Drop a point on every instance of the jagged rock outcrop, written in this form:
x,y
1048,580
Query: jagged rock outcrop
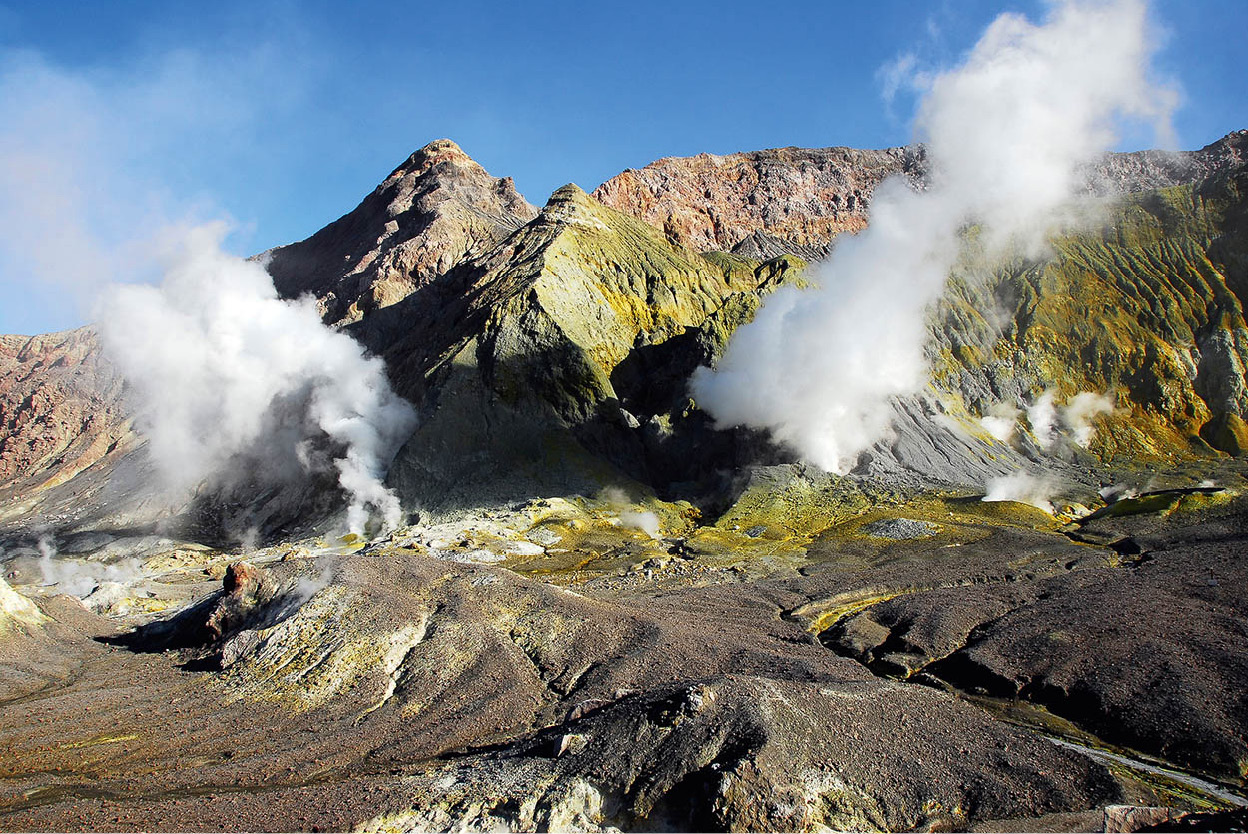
x,y
1126,173
529,362
764,204
61,409
795,199
436,209
745,753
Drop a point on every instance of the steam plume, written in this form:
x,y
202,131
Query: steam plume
x,y
1073,420
1001,421
222,366
1023,488
1042,415
219,366
81,578
1079,413
1006,134
630,516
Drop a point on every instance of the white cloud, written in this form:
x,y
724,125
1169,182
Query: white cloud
x,y
895,75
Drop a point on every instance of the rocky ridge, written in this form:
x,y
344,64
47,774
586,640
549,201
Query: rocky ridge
x,y
789,199
436,209
797,200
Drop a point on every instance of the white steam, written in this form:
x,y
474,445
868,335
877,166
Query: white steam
x,y
631,516
98,171
1074,420
1023,488
79,578
643,520
1006,135
1042,416
1079,413
223,366
1001,421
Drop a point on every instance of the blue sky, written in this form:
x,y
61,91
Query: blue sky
x,y
283,115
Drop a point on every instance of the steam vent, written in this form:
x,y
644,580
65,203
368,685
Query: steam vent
x,y
803,489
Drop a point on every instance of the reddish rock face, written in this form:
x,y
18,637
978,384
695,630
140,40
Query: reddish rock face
x,y
242,578
61,408
436,209
764,204
802,198
247,588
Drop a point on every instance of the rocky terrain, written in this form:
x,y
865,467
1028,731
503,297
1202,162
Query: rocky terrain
x,y
797,200
434,210
760,204
604,613
61,412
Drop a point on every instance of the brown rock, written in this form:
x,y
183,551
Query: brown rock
x,y
247,588
767,203
61,408
800,198
1123,819
436,209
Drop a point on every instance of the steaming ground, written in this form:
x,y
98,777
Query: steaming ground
x,y
1007,134
808,652
479,673
221,368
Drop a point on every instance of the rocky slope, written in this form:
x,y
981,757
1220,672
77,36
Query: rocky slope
x,y
61,411
797,200
1143,311
1148,308
436,209
531,359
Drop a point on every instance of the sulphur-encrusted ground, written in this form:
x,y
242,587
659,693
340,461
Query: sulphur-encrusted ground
x,y
603,662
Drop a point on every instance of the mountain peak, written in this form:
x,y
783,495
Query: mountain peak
x,y
435,153
433,211
571,206
567,193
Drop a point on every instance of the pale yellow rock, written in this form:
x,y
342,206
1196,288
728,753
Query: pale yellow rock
x,y
17,613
